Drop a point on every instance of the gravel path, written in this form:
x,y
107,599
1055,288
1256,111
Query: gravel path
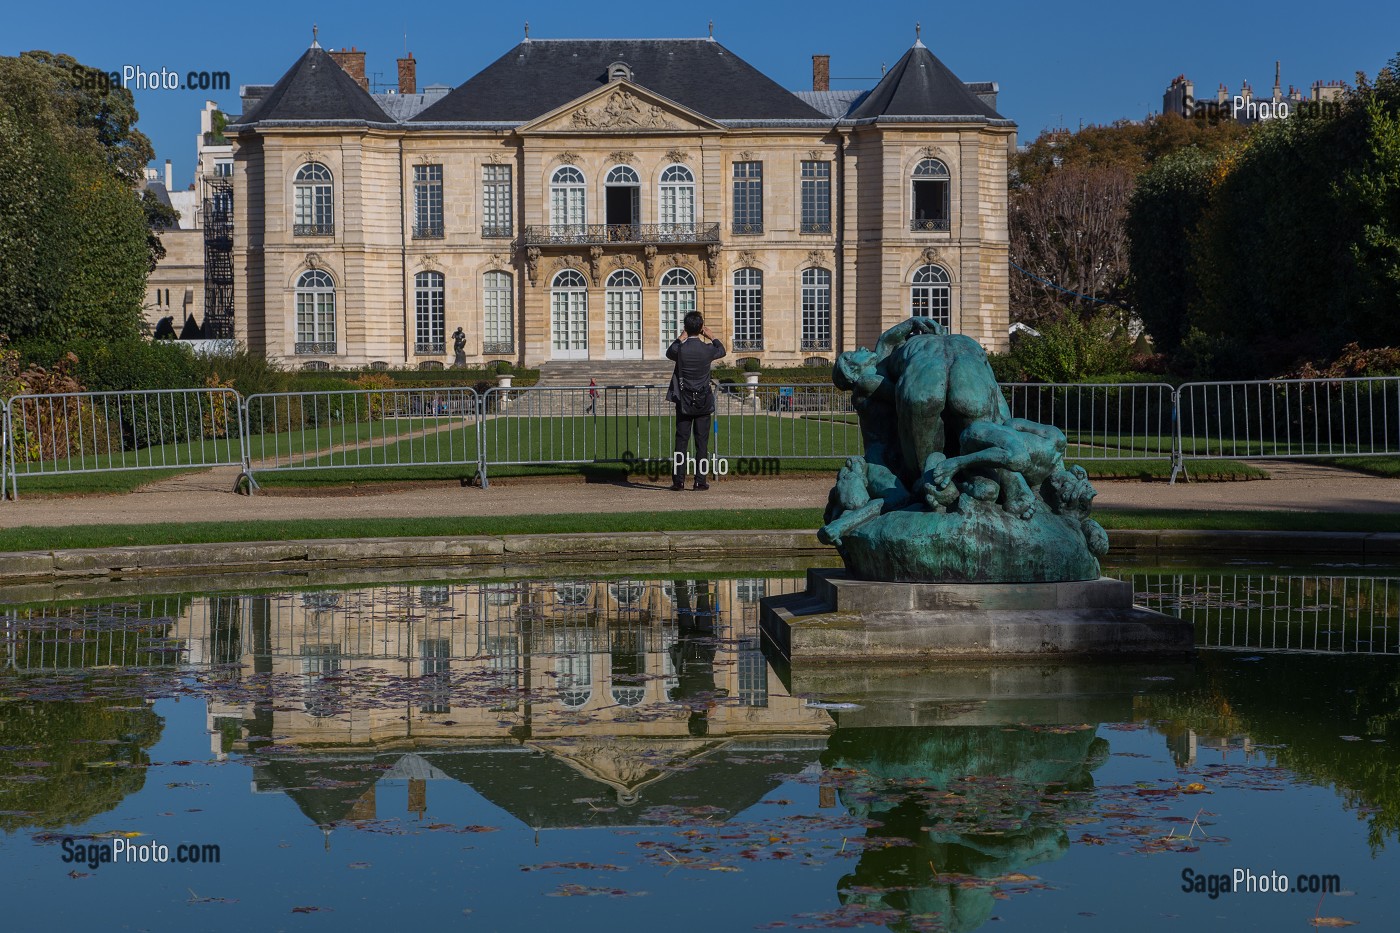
x,y
206,497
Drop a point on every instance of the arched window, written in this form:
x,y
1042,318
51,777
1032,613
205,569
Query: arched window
x,y
677,300
624,314
567,193
313,201
748,310
430,313
816,310
619,71
568,315
623,204
676,205
315,295
498,301
932,295
929,193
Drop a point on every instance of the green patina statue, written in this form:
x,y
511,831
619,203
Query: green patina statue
x,y
951,487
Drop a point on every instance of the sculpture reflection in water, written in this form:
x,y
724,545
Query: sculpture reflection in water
x,y
955,805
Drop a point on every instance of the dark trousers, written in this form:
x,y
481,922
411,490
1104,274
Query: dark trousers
x,y
700,424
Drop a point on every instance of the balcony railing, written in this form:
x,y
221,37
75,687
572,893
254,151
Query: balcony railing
x,y
427,231
816,226
499,348
430,348
816,344
747,229
316,349
313,229
747,344
575,234
497,231
923,226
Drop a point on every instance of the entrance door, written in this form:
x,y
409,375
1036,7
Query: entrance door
x,y
568,316
624,315
622,204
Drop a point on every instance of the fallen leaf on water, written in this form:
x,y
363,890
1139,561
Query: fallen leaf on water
x,y
1331,922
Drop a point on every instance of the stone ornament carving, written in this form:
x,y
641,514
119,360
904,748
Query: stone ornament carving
x,y
620,261
595,259
649,262
622,110
313,260
932,256
747,155
494,158
532,263
567,157
747,257
570,262
816,155
678,155
499,260
712,263
951,488
623,156
820,258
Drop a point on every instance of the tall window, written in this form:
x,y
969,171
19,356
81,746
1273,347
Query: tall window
x,y
315,313
677,300
566,202
428,295
568,315
929,191
816,197
622,206
498,299
427,201
748,310
676,209
495,201
816,310
313,201
932,295
748,197
436,672
624,314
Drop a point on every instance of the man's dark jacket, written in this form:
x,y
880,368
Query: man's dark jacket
x,y
693,358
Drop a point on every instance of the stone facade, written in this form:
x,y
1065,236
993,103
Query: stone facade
x,y
376,244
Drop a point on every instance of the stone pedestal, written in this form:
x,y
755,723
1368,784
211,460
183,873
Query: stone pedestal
x,y
841,619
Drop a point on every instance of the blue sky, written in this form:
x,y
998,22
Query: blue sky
x,y
1064,62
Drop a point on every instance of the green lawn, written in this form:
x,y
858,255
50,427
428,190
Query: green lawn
x,y
75,484
1372,466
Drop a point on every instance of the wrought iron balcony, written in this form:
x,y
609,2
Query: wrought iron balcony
x,y
816,344
427,231
430,348
588,234
747,344
497,349
313,229
316,349
748,229
497,231
925,225
823,226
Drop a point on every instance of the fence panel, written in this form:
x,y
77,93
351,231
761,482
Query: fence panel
x,y
812,421
1117,421
1291,418
97,432
361,428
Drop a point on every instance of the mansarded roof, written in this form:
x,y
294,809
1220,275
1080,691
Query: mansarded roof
x,y
539,75
919,85
316,88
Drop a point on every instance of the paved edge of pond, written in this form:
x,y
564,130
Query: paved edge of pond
x,y
275,556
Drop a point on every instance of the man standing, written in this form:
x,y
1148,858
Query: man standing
x,y
690,391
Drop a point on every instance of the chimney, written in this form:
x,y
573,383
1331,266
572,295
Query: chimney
x,y
821,72
169,177
408,75
352,62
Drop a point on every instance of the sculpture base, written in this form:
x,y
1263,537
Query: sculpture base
x,y
840,618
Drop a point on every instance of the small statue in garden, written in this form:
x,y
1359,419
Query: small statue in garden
x,y
459,349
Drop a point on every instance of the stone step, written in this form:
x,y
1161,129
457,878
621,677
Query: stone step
x,y
606,372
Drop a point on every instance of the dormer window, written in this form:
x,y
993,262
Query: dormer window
x,y
619,71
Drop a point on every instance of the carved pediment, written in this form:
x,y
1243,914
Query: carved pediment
x,y
621,107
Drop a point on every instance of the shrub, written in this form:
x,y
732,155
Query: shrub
x,y
1070,349
751,365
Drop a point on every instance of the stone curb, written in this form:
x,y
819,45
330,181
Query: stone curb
x,y
244,557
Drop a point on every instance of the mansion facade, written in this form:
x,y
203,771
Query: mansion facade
x,y
576,198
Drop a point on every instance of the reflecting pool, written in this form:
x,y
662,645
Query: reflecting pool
x,y
619,753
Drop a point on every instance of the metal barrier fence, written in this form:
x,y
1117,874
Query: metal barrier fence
x,y
758,426
1290,418
359,428
101,432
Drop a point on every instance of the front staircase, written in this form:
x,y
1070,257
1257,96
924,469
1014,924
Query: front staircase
x,y
557,373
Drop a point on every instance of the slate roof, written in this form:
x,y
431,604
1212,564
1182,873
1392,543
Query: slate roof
x,y
316,88
919,85
835,104
539,75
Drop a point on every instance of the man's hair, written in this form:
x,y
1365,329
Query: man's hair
x,y
694,323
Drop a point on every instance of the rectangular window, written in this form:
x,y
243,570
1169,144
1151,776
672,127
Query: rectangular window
x,y
429,305
436,672
316,318
816,311
748,310
499,326
816,197
427,201
223,168
748,197
495,201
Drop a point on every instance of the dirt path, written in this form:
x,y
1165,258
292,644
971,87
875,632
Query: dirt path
x,y
206,497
